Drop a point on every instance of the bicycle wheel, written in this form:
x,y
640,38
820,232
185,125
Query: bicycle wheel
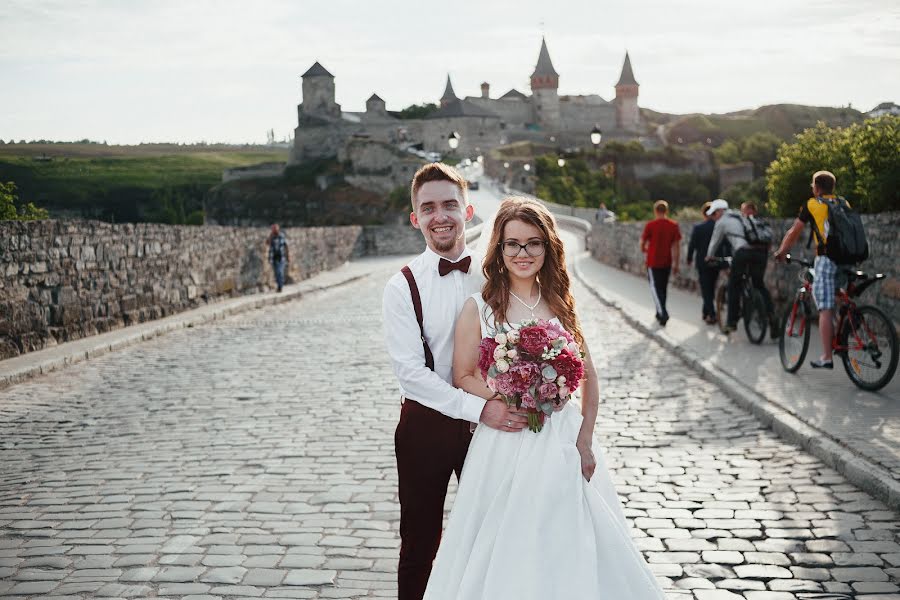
x,y
870,339
794,341
722,305
755,317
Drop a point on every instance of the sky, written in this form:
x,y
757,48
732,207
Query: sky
x,y
132,71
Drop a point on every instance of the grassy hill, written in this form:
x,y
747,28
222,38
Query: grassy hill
x,y
149,182
783,120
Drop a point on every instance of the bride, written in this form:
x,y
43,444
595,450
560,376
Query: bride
x,y
536,515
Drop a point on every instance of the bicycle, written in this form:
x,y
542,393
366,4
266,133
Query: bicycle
x,y
864,338
752,307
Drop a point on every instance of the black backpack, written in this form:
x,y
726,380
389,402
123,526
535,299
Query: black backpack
x,y
757,232
846,243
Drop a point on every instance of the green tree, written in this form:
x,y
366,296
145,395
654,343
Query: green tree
x,y
863,157
574,184
761,148
678,189
754,191
8,211
875,155
728,153
7,201
417,111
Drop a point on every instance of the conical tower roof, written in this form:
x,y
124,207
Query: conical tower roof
x,y
544,65
627,76
374,98
449,94
317,70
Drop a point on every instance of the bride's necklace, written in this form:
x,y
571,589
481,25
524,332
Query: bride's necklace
x,y
530,307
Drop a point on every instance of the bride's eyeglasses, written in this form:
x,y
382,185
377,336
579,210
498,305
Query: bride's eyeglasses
x,y
532,248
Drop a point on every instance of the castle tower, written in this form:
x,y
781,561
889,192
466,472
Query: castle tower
x,y
544,89
628,115
449,95
318,93
375,105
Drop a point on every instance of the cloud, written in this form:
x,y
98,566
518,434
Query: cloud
x,y
219,69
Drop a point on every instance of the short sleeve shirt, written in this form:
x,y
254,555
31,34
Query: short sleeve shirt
x,y
815,213
661,234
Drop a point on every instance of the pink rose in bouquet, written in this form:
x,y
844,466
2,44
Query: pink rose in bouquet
x,y
486,355
569,365
534,339
535,367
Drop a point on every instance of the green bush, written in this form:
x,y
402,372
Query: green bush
x,y
25,212
863,157
635,211
748,191
417,111
575,184
760,149
678,189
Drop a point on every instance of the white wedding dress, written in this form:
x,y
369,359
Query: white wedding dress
x,y
526,525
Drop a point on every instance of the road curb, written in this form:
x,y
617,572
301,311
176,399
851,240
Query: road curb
x,y
56,358
857,469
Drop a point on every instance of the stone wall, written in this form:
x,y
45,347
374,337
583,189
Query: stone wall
x,y
383,240
618,245
64,280
378,166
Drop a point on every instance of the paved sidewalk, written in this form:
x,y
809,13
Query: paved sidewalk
x,y
866,423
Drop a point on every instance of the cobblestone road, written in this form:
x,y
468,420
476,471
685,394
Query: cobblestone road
x,y
253,457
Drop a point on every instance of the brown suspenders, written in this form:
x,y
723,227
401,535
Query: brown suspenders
x,y
417,305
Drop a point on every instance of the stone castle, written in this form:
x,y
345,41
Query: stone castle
x,y
482,122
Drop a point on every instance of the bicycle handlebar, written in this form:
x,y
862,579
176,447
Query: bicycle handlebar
x,y
720,261
788,259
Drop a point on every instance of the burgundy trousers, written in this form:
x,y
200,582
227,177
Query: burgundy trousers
x,y
430,447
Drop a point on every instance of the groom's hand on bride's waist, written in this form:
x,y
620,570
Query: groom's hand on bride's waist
x,y
498,415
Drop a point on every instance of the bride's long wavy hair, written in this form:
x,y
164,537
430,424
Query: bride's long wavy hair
x,y
553,276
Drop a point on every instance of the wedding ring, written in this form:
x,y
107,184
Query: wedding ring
x,y
509,423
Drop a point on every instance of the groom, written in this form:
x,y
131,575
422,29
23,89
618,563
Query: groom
x,y
420,308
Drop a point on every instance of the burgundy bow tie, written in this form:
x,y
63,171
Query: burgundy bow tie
x,y
445,266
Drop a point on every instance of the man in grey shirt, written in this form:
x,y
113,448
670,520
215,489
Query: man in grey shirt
x,y
746,259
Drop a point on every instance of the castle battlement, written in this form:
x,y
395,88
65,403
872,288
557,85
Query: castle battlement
x,y
482,122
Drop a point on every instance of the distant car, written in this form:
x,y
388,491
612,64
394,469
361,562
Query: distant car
x,y
434,156
473,185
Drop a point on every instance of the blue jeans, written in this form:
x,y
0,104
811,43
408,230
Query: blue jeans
x,y
279,272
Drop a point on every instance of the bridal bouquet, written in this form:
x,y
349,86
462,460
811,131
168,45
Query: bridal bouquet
x,y
534,366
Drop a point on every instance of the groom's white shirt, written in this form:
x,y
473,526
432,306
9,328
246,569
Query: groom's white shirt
x,y
442,301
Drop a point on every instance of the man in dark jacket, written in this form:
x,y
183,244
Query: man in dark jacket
x,y
706,274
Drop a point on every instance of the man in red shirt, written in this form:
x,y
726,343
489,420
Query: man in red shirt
x,y
661,243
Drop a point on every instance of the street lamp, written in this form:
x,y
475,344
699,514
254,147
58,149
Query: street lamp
x,y
527,167
596,136
453,140
561,162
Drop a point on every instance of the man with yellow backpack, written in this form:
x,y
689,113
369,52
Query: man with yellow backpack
x,y
841,241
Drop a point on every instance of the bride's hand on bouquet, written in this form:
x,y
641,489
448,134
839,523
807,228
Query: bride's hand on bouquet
x,y
496,414
588,461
